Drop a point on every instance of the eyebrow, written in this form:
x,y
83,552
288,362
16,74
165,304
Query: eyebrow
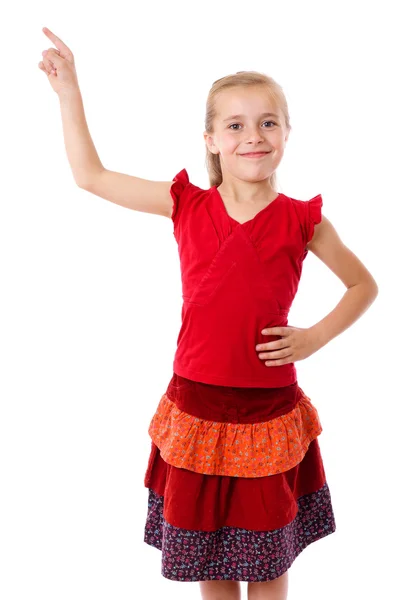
x,y
267,114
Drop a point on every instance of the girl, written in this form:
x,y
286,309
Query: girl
x,y
235,478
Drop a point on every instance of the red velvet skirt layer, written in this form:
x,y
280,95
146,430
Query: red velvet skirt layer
x,y
208,502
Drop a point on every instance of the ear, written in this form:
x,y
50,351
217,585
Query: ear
x,y
209,140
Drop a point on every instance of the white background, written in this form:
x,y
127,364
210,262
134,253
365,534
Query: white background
x,y
91,297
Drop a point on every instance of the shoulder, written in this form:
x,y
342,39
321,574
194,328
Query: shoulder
x,y
312,204
181,184
308,213
185,195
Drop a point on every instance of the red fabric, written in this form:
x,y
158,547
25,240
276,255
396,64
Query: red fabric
x,y
207,502
230,404
237,279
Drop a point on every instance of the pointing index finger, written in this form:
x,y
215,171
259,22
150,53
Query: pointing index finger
x,y
56,41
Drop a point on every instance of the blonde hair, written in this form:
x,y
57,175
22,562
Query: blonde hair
x,y
239,79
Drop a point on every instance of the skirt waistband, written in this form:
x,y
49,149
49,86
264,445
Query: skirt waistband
x,y
232,404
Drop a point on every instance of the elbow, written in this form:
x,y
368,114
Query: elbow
x,y
89,182
369,288
373,289
83,185
374,286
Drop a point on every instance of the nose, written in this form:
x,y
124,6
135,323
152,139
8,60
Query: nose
x,y
254,136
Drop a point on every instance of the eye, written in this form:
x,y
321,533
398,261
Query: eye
x,y
273,122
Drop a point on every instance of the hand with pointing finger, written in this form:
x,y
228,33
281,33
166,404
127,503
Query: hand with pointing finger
x,y
59,65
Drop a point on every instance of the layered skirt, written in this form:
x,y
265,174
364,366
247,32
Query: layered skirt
x,y
236,482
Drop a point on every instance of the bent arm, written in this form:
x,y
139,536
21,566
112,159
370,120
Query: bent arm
x,y
90,174
362,288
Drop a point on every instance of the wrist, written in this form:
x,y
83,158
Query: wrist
x,y
69,94
318,335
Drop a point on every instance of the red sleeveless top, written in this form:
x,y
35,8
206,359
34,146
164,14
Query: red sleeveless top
x,y
237,279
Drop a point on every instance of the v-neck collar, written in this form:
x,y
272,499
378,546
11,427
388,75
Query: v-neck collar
x,y
223,207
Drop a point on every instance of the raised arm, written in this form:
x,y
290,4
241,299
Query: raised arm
x,y
88,171
131,192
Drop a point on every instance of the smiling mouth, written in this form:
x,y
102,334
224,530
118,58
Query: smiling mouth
x,y
255,154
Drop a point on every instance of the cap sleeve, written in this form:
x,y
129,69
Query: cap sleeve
x,y
181,181
314,215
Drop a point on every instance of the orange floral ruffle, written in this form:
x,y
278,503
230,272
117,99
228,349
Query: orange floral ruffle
x,y
234,449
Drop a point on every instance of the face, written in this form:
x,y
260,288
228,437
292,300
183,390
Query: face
x,y
253,131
